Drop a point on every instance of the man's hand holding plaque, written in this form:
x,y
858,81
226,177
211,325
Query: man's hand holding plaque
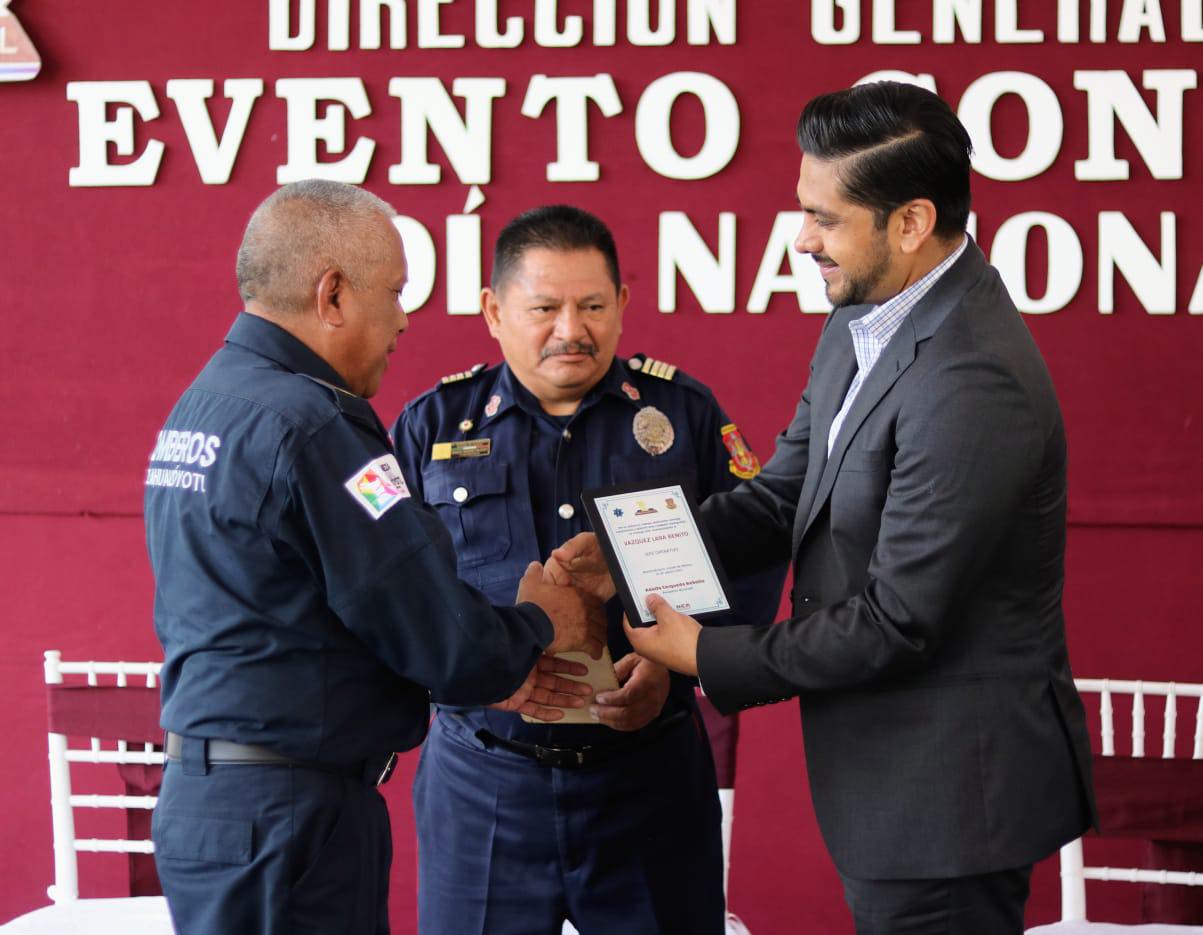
x,y
547,694
671,641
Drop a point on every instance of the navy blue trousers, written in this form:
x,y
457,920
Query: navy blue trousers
x,y
268,850
509,847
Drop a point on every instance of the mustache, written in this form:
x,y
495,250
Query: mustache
x,y
568,347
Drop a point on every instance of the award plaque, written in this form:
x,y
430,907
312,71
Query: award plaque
x,y
654,543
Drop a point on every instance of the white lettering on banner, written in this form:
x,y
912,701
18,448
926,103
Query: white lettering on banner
x,y
1192,20
1008,254
705,21
487,34
639,23
96,131
306,129
1121,248
884,30
696,253
427,108
1139,20
547,29
467,141
822,21
682,250
950,15
463,258
430,33
1111,95
720,116
280,36
1045,125
803,278
1006,24
420,262
1138,16
1195,305
214,158
572,97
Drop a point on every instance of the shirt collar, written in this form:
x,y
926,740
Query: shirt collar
x,y
883,320
512,393
269,340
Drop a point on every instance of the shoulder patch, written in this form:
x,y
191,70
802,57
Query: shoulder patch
x,y
743,464
463,374
378,486
652,367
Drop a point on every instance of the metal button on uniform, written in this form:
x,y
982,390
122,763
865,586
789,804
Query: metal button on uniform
x,y
567,435
460,494
566,511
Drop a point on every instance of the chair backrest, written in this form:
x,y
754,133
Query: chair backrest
x,y
723,732
1132,788
115,707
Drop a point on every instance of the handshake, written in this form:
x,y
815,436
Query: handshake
x,y
571,589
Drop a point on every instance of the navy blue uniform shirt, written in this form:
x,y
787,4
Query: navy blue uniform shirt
x,y
514,498
304,600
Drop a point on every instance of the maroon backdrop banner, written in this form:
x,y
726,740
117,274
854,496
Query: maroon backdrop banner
x,y
136,138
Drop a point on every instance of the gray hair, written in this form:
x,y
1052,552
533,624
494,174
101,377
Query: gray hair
x,y
303,229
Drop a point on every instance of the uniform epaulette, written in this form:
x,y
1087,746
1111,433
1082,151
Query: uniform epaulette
x,y
641,363
463,374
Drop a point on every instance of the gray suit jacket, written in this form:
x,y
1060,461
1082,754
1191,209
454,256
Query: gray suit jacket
x,y
943,733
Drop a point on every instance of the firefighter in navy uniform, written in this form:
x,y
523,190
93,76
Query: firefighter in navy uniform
x,y
613,825
308,606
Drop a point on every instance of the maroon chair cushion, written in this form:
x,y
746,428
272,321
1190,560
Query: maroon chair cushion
x,y
724,739
1160,801
112,713
105,711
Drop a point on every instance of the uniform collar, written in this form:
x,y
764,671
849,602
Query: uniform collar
x,y
618,383
269,340
510,392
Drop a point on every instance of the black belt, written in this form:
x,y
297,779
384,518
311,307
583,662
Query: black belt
x,y
585,756
226,752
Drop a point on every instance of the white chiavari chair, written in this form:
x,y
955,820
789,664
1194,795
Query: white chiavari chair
x,y
112,707
1074,871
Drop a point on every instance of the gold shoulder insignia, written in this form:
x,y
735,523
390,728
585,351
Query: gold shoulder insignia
x,y
463,374
653,367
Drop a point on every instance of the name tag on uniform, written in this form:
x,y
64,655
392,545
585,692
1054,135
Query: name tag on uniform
x,y
468,448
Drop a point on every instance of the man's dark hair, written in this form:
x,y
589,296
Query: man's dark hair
x,y
552,227
900,142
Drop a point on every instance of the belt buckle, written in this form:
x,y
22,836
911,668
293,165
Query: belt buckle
x,y
387,773
565,757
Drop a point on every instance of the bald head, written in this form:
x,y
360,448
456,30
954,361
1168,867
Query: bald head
x,y
304,229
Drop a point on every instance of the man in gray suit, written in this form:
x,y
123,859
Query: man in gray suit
x,y
920,491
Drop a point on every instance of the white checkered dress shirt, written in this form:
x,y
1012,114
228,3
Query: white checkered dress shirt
x,y
871,333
